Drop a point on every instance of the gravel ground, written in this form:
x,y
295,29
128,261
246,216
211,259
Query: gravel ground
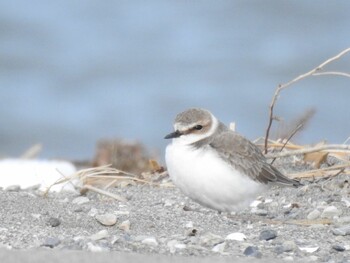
x,y
308,224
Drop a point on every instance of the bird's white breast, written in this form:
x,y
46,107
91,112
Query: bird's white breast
x,y
203,176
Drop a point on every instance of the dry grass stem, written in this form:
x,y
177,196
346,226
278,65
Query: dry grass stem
x,y
327,171
288,139
281,87
329,147
104,176
106,193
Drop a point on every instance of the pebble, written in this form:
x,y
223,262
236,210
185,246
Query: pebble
x,y
168,203
260,212
267,234
174,245
107,219
330,212
314,214
95,248
252,251
236,236
338,247
343,220
150,241
125,226
341,231
189,224
99,235
309,249
80,200
13,188
53,222
210,239
51,242
219,248
289,246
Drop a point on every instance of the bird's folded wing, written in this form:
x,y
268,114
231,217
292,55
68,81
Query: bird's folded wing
x,y
246,157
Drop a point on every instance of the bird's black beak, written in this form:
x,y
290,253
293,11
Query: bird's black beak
x,y
172,135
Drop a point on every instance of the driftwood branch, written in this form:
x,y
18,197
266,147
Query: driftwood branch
x,y
336,147
314,72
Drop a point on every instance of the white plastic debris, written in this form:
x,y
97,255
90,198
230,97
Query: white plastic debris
x,y
309,249
27,173
255,203
236,236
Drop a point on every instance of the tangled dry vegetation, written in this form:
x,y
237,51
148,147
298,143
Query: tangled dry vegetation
x,y
119,163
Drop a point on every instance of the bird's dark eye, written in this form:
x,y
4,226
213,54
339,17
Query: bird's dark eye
x,y
198,127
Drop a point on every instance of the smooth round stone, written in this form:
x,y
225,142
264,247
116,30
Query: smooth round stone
x,y
51,242
314,214
53,221
289,246
150,241
252,251
80,200
341,231
260,212
267,234
330,212
107,219
338,247
125,225
99,235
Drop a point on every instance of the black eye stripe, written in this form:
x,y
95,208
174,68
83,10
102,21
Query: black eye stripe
x,y
198,127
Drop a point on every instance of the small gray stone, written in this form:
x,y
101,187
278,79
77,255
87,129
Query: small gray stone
x,y
150,241
125,226
338,247
252,251
341,231
330,212
219,248
174,245
313,214
13,188
279,249
51,242
261,212
80,200
210,239
107,219
95,248
289,246
53,222
267,234
99,235
343,220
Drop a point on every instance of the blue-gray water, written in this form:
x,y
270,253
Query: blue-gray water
x,y
72,72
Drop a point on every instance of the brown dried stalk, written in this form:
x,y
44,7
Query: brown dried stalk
x,y
313,72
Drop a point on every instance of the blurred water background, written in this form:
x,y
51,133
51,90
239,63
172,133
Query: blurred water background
x,y
72,72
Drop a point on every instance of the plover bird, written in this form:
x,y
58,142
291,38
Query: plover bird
x,y
216,166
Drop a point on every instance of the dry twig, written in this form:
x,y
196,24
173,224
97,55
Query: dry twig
x,y
329,147
313,72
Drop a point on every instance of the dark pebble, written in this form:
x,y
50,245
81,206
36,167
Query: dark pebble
x,y
53,221
338,247
279,249
252,252
267,234
51,242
